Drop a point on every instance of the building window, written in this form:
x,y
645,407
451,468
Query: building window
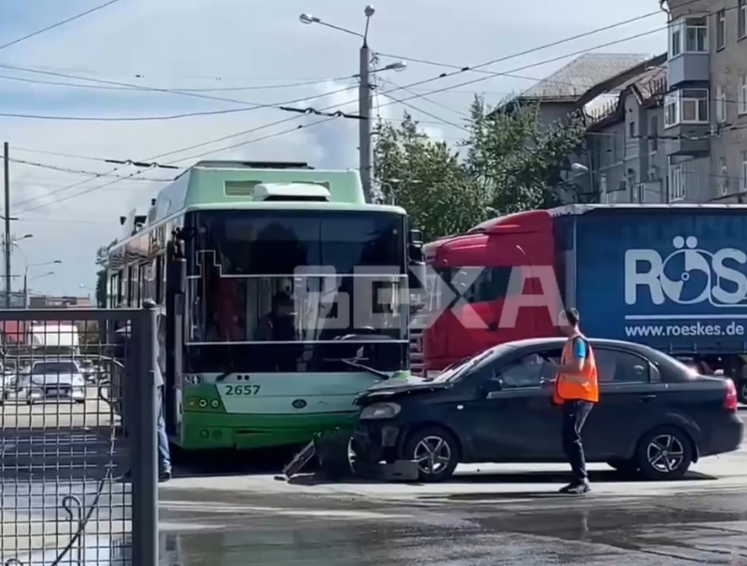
x,y
742,19
744,170
723,177
671,109
694,105
742,95
675,39
721,29
720,105
631,130
687,106
653,134
696,35
688,35
676,183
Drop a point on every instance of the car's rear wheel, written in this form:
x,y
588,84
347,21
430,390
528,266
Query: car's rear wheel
x,y
436,451
664,453
625,467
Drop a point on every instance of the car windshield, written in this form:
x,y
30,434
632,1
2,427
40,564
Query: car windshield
x,y
55,367
461,368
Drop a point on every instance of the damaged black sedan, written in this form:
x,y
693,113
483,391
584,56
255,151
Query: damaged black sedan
x,y
655,416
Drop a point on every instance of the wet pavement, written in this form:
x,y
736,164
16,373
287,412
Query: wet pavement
x,y
705,528
489,515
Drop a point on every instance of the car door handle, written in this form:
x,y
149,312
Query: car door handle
x,y
645,398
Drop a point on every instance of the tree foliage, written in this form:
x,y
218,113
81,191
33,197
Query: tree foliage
x,y
506,163
102,262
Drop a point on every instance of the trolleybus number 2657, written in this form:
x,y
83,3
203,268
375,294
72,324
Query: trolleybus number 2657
x,y
246,390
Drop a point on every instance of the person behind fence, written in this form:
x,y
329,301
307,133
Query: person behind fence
x,y
164,452
576,390
123,351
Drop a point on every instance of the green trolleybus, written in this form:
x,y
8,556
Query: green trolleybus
x,y
285,295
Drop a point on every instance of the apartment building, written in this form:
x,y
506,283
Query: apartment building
x,y
705,108
626,155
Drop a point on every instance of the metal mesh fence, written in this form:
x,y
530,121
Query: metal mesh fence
x,y
69,380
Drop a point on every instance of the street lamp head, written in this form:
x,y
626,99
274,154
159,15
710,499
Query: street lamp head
x,y
399,66
27,236
369,11
57,262
308,19
579,168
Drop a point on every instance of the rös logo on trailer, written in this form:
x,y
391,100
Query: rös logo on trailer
x,y
712,281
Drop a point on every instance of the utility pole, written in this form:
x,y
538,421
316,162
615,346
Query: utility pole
x,y
8,243
365,129
365,98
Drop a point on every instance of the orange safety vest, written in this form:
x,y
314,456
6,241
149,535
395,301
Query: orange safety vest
x,y
583,385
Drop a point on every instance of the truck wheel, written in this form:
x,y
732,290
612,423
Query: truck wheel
x,y
742,391
664,454
436,451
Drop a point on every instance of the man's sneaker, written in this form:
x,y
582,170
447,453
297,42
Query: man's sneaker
x,y
576,488
165,476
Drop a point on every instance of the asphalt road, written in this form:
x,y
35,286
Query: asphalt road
x,y
489,515
501,515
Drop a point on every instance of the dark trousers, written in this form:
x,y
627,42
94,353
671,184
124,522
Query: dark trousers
x,y
574,417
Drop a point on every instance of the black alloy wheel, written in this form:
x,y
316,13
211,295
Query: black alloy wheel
x,y
664,454
436,451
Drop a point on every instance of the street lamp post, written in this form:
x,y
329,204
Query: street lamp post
x,y
26,280
26,277
365,98
8,244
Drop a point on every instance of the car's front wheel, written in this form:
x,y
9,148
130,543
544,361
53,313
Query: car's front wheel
x,y
664,454
436,451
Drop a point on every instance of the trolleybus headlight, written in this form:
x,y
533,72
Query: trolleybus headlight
x,y
379,411
202,403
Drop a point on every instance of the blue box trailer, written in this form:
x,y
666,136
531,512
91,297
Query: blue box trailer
x,y
673,277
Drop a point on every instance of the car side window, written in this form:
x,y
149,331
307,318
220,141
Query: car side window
x,y
528,371
615,366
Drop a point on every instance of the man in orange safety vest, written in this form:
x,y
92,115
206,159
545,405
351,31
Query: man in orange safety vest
x,y
576,390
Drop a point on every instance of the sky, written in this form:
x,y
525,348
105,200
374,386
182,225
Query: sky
x,y
257,53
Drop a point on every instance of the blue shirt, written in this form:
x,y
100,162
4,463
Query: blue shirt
x,y
580,349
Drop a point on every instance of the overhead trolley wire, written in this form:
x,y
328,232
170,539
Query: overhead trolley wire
x,y
59,24
418,83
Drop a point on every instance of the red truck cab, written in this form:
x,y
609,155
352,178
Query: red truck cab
x,y
472,285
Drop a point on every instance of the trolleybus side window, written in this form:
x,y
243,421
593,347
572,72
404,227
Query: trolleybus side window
x,y
160,277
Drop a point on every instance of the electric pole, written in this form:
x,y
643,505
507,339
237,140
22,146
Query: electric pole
x,y
365,98
365,129
8,244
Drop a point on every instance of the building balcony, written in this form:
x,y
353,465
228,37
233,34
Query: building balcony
x,y
688,56
687,124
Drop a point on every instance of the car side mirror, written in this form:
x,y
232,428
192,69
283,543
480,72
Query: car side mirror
x,y
493,386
